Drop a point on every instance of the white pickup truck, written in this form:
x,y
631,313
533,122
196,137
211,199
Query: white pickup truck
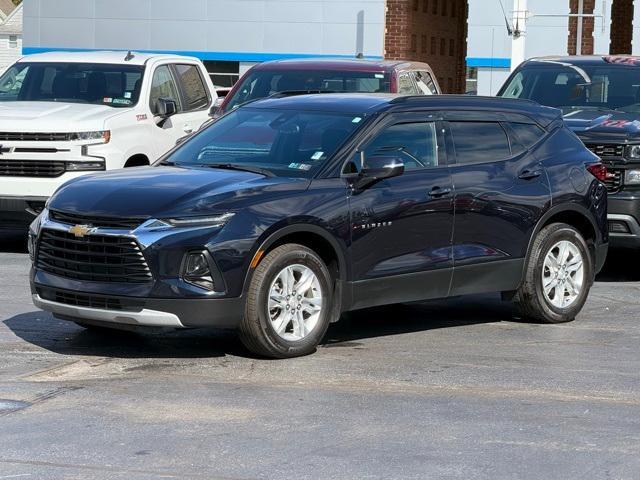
x,y
64,114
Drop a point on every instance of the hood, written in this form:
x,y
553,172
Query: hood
x,y
604,125
53,117
157,192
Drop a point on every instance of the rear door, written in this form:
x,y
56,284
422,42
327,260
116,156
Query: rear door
x,y
501,191
401,227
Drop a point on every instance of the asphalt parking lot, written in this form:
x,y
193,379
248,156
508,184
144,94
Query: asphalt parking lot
x,y
451,389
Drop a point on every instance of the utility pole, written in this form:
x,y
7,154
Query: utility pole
x,y
519,36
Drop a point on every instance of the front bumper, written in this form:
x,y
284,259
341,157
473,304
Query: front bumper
x,y
144,312
17,213
624,220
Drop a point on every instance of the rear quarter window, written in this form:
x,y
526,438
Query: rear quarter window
x,y
527,134
477,142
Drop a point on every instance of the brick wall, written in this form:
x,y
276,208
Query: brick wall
x,y
587,28
431,31
621,27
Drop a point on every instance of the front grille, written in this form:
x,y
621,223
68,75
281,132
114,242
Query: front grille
x,y
31,168
608,150
33,137
102,222
614,179
89,301
94,258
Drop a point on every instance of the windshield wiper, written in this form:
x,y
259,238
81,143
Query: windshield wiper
x,y
240,168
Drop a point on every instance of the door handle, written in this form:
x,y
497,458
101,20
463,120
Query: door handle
x,y
437,192
529,174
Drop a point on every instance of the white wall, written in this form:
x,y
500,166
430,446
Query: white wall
x,y
326,27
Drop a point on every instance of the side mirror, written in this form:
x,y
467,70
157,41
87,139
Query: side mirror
x,y
216,109
166,107
378,168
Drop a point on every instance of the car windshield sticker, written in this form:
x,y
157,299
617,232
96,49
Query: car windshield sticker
x,y
300,166
107,100
121,101
127,94
379,75
356,120
317,156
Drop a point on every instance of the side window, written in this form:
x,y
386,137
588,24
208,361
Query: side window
x,y
12,81
195,92
415,143
425,83
477,142
406,85
527,134
163,86
515,87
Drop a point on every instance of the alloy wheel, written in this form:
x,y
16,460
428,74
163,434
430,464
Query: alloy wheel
x,y
563,274
295,302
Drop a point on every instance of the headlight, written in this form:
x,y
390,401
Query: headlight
x,y
85,166
99,137
633,151
213,221
632,177
34,230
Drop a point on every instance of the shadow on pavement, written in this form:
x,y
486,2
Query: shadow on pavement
x,y
621,266
419,317
59,336
13,242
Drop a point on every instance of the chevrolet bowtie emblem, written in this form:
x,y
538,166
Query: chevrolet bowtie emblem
x,y
80,230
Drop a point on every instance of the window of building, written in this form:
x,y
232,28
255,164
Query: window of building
x,y
472,81
477,142
444,8
414,43
434,46
416,4
425,6
449,85
223,74
452,47
13,41
424,44
443,46
434,8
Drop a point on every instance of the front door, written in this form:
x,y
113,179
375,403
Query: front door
x,y
402,226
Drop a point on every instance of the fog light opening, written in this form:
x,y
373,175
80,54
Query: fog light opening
x,y
197,272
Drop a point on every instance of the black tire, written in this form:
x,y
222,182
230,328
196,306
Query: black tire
x,y
530,297
256,331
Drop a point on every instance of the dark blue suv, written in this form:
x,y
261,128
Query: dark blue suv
x,y
289,211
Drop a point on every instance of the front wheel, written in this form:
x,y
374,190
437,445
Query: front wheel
x,y
558,277
288,303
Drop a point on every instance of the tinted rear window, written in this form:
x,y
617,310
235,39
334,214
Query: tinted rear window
x,y
262,83
480,142
528,134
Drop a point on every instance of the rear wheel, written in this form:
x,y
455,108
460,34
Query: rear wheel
x,y
288,303
558,277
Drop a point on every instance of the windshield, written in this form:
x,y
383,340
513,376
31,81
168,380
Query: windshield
x,y
606,87
286,143
261,83
96,84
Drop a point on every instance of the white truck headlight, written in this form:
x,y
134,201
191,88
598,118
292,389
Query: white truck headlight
x,y
93,165
633,152
632,177
98,137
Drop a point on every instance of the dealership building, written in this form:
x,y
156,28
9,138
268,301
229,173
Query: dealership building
x,y
471,44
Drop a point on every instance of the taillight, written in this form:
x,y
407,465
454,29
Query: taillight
x,y
599,171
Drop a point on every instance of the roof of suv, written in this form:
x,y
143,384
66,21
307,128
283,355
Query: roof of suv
x,y
368,103
345,64
106,57
588,60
